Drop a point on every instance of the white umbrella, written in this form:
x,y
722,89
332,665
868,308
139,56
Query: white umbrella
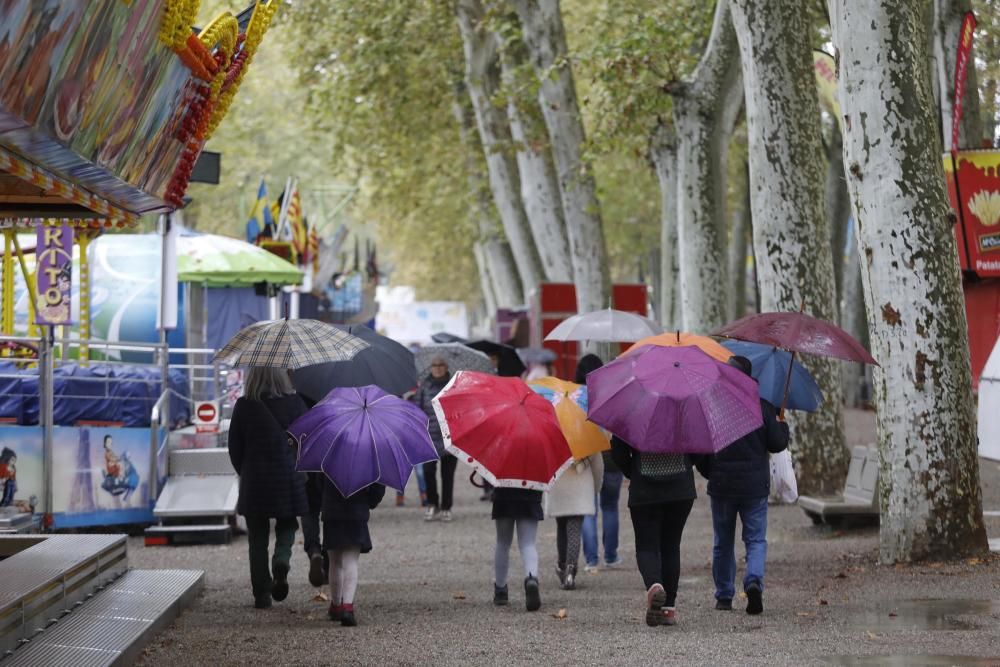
x,y
607,326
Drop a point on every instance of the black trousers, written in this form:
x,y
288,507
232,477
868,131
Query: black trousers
x,y
658,530
448,465
312,540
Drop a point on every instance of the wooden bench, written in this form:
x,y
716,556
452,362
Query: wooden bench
x,y
859,501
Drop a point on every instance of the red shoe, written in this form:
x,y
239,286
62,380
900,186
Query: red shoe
x,y
400,500
669,616
656,597
347,616
335,612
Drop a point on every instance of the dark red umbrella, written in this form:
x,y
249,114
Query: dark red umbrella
x,y
797,333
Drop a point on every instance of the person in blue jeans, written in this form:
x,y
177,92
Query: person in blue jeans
x,y
606,502
739,481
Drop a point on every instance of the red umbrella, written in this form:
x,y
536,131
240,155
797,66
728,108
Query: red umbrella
x,y
509,434
797,332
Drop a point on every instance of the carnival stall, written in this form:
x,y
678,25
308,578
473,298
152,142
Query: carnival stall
x,y
105,107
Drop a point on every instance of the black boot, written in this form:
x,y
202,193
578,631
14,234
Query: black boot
x,y
755,598
561,573
279,587
317,576
532,595
569,579
500,597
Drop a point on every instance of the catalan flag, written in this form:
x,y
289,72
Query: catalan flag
x,y
261,222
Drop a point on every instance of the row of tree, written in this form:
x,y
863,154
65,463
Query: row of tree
x,y
464,122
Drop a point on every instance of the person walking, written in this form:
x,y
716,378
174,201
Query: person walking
x,y
346,537
438,507
661,493
739,482
569,500
517,510
607,501
269,487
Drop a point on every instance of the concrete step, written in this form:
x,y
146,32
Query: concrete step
x,y
115,625
176,534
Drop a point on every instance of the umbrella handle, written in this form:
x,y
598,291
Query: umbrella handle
x,y
788,382
472,480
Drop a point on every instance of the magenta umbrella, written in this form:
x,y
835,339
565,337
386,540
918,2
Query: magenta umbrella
x,y
797,332
358,436
673,400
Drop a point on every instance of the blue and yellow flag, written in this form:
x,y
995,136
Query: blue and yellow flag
x,y
261,221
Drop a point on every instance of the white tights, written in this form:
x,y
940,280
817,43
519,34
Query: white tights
x,y
344,575
526,532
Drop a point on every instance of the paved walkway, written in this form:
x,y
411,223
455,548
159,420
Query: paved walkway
x,y
426,589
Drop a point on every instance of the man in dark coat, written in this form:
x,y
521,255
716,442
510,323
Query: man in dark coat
x,y
739,481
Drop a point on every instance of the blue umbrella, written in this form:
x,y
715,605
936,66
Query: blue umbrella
x,y
770,369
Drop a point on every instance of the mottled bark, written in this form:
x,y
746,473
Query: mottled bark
x,y
703,129
539,183
948,16
663,155
791,235
482,77
838,207
739,238
497,260
545,38
931,505
485,279
854,322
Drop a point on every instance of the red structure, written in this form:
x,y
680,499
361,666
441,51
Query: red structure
x,y
554,302
978,236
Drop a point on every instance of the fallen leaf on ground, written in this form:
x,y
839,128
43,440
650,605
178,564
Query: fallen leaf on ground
x,y
321,597
974,561
935,565
871,635
743,596
561,614
823,603
840,575
893,614
458,596
806,613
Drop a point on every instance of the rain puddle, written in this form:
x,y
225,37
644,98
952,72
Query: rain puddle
x,y
901,660
924,615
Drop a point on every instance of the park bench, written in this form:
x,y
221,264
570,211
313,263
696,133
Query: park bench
x,y
859,501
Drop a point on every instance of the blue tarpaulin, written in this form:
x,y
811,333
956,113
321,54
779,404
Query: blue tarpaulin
x,y
100,392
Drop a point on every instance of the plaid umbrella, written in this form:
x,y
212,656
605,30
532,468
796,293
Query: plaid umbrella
x,y
459,357
289,344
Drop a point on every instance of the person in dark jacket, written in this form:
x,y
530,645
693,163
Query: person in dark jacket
x,y
520,509
661,493
739,481
438,507
269,486
346,536
607,500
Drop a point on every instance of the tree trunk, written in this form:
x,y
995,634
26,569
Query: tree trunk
x,y
663,155
485,279
791,235
838,206
853,321
497,259
738,241
482,76
539,183
948,16
931,504
700,121
545,38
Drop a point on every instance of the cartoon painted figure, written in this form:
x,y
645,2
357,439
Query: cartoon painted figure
x,y
8,476
120,476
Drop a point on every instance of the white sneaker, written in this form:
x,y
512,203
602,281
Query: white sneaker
x,y
446,515
591,569
431,514
612,564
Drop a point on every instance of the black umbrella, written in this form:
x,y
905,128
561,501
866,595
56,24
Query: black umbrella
x,y
385,364
445,337
509,365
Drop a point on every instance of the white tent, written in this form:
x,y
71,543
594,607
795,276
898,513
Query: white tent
x,y
989,407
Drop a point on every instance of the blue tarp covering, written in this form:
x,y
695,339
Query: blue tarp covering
x,y
229,310
100,392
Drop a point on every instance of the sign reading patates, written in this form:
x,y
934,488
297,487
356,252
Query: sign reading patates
x,y
206,416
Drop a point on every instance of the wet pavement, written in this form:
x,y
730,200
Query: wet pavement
x,y
928,615
905,660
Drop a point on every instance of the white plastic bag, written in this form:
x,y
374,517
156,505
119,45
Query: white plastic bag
x,y
784,488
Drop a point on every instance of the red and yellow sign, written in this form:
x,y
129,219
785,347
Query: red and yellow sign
x,y
978,230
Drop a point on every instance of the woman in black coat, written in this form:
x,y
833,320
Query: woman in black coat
x,y
661,493
269,486
438,507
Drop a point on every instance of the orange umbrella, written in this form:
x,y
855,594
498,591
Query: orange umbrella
x,y
682,339
570,402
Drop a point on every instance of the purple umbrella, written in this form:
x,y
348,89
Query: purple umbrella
x,y
358,436
673,400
